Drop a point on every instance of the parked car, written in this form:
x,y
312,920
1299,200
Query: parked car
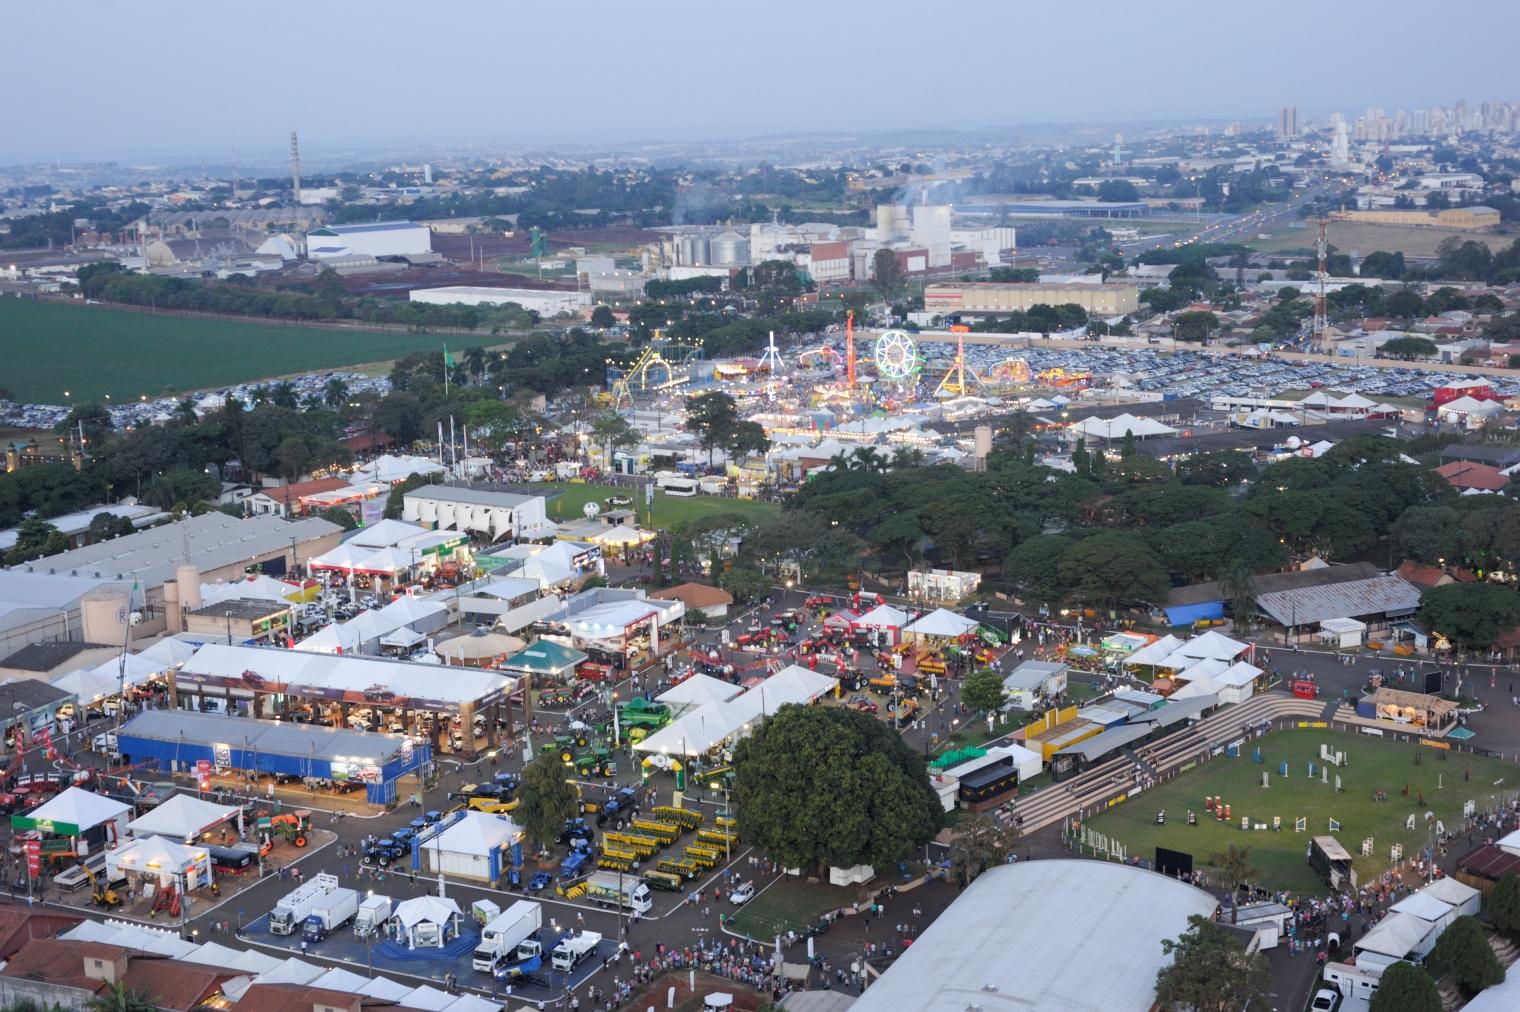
x,y
743,893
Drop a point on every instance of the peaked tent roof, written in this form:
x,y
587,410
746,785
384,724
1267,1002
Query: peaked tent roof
x,y
1155,652
426,908
477,833
181,816
883,616
1213,644
158,853
698,690
692,733
544,655
942,622
79,807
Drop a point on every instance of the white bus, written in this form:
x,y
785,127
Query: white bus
x,y
676,484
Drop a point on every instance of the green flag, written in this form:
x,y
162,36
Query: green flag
x,y
448,359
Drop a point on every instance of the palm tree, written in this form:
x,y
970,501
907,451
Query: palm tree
x,y
283,394
865,458
475,361
185,411
259,394
1237,586
1236,868
118,999
907,456
335,392
839,461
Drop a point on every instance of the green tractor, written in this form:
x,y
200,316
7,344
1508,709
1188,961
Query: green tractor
x,y
595,762
564,745
639,712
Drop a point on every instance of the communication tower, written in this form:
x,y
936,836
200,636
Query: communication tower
x,y
295,166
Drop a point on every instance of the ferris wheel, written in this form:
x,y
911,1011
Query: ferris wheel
x,y
896,355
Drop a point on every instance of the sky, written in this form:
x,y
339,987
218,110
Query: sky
x,y
210,76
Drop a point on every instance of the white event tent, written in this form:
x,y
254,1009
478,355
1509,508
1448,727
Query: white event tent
x,y
699,690
184,818
943,623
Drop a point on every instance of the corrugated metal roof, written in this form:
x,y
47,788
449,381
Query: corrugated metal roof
x,y
1387,594
275,737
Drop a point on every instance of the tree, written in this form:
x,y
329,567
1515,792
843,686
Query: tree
x,y
711,416
1238,586
983,690
980,842
119,998
1119,191
1195,326
335,392
827,786
1407,348
1404,304
1235,868
745,438
340,516
602,318
613,432
95,419
1034,568
1211,972
1463,951
1405,987
1471,614
1502,905
396,500
886,272
1427,533
105,526
36,538
1114,568
547,798
1379,264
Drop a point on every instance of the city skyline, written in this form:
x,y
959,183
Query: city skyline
x,y
207,81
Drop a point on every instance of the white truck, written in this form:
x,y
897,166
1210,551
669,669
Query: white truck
x,y
290,913
611,889
373,912
571,952
329,914
503,934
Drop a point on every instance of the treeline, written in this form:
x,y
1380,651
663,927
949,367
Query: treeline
x,y
1038,318
108,283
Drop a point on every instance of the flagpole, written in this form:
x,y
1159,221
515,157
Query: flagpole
x,y
445,370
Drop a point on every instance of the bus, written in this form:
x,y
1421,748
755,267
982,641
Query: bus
x,y
676,484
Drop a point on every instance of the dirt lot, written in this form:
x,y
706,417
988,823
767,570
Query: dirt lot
x,y
1363,238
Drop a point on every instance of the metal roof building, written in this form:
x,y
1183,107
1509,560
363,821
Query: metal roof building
x,y
220,546
1071,917
267,746
1385,596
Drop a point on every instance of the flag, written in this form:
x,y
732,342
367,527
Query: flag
x,y
448,359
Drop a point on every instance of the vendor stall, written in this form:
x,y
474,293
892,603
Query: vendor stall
x,y
940,625
477,846
1345,633
478,649
161,860
91,820
188,819
1420,710
427,921
546,660
885,621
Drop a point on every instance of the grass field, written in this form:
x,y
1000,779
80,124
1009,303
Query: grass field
x,y
668,510
1372,764
91,351
791,904
1347,236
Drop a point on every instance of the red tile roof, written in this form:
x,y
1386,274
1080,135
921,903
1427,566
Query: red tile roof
x,y
1421,575
18,926
1466,474
294,998
288,494
695,595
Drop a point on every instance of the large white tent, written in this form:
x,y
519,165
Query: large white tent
x,y
255,588
428,921
698,690
792,684
1154,652
692,733
184,818
943,623
161,858
466,847
883,616
1114,428
78,811
363,632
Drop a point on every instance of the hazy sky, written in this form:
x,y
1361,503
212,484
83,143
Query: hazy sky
x,y
192,78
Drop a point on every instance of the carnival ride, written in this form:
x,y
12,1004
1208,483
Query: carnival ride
x,y
1009,373
663,365
896,356
1065,379
958,380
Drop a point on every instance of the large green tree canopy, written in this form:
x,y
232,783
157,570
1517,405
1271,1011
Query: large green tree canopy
x,y
828,786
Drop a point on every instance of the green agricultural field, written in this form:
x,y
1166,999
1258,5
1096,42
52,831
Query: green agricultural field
x,y
1372,764
668,510
91,351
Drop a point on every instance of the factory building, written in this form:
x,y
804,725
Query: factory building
x,y
544,302
993,298
376,239
829,262
1462,219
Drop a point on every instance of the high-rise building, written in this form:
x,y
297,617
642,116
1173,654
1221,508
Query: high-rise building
x,y
1287,123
